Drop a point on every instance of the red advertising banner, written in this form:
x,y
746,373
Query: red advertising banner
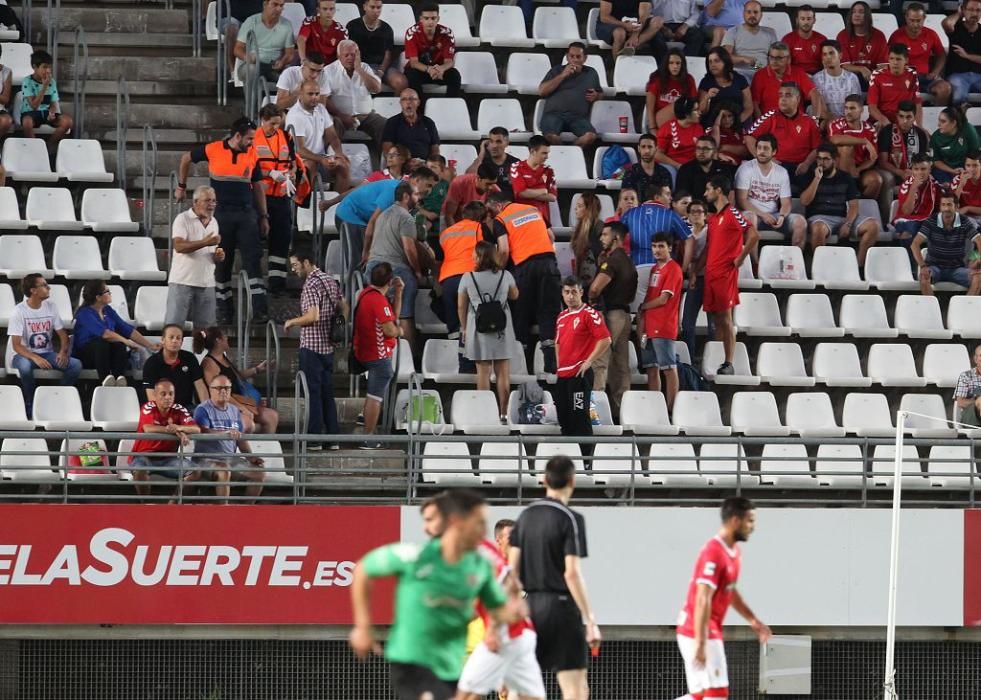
x,y
133,564
972,568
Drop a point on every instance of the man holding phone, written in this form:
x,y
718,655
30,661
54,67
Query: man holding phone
x,y
569,91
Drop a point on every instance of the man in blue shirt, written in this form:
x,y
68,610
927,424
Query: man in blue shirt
x,y
653,216
357,212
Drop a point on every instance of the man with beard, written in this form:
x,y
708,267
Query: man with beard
x,y
695,174
643,174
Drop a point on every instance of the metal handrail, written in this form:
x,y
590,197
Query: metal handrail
x,y
149,177
54,20
195,28
272,363
253,77
301,423
122,129
26,8
81,49
222,10
243,319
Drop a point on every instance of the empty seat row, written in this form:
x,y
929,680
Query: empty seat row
x,y
78,160
52,209
79,257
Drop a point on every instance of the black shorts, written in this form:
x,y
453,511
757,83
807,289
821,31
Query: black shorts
x,y
561,633
410,682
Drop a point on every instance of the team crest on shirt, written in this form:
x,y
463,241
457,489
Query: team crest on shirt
x,y
709,569
575,323
798,128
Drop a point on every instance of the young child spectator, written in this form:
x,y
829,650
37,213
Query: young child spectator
x,y
432,204
657,319
42,103
967,187
676,139
918,198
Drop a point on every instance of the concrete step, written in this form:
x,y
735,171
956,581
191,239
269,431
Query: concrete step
x,y
143,89
132,20
203,115
171,139
182,70
126,43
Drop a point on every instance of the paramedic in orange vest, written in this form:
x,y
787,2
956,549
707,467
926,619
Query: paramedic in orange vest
x,y
523,236
283,172
457,243
241,214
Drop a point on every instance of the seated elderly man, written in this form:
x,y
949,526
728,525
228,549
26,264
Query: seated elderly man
x,y
352,83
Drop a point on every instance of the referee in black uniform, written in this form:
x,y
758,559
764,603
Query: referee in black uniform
x,y
547,543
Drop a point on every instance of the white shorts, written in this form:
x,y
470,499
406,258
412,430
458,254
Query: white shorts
x,y
714,674
514,667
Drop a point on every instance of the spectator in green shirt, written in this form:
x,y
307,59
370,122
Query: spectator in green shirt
x,y
273,39
42,103
951,142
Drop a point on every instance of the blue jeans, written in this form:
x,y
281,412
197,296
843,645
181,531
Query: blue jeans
x,y
319,370
26,369
963,84
689,315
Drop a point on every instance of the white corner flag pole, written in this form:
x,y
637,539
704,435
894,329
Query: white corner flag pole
x,y
897,488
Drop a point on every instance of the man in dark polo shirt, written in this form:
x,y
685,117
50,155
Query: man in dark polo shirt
x,y
695,174
964,58
547,543
831,204
411,129
643,174
493,150
946,236
612,291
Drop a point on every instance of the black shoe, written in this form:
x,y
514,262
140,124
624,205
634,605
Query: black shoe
x,y
360,419
725,368
370,445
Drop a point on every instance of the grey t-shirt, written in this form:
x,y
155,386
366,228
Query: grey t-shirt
x,y
391,226
746,43
571,94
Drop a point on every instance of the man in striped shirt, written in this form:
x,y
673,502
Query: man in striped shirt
x,y
946,236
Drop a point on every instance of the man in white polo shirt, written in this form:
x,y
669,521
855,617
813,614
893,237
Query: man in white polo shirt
x,y
191,287
314,130
351,84
290,80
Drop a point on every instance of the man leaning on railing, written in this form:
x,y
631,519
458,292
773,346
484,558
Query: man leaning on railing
x,y
164,457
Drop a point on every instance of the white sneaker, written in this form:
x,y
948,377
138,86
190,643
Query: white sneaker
x,y
109,381
120,380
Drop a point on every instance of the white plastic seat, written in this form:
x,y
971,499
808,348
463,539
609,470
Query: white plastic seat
x,y
116,409
601,403
891,364
26,159
13,412
10,218
782,267
416,426
63,303
505,112
673,464
789,458
810,415
150,309
273,463
747,279
782,364
867,415
498,457
82,160
514,405
455,17
942,362
71,448
555,27
448,464
616,463
17,57
838,364
930,115
919,317
78,258
475,413
834,267
478,72
643,278
950,467
729,460
504,25
134,258
927,416
839,458
51,209
294,13
607,210
595,61
864,316
885,22
611,184
334,260
810,316
888,268
759,314
630,73
964,316
59,408
406,364
713,354
779,22
697,413
345,12
605,116
7,304
754,413
441,363
591,39
883,467
570,168
386,106
464,154
401,17
12,371
22,255
829,24
452,118
645,413
546,450
107,211
32,465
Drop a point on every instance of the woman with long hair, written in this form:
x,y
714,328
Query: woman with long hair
x,y
488,283
255,414
102,339
951,142
723,84
397,159
863,47
585,241
665,85
729,135
676,139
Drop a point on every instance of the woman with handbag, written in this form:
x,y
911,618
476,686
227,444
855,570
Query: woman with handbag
x,y
256,415
485,320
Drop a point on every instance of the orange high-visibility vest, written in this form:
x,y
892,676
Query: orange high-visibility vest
x,y
226,165
278,152
527,232
458,242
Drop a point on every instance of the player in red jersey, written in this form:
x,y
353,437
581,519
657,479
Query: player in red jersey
x,y
506,656
430,49
805,43
967,186
856,142
711,591
532,181
926,53
321,33
891,85
730,239
919,195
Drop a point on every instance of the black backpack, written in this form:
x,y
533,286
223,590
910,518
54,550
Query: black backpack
x,y
489,316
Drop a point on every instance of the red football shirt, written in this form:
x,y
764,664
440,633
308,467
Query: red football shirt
x,y
431,52
805,54
576,333
717,567
927,198
667,92
524,177
868,51
678,142
840,127
765,88
971,194
726,231
921,49
796,136
886,90
662,321
322,40
151,415
489,551
373,311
